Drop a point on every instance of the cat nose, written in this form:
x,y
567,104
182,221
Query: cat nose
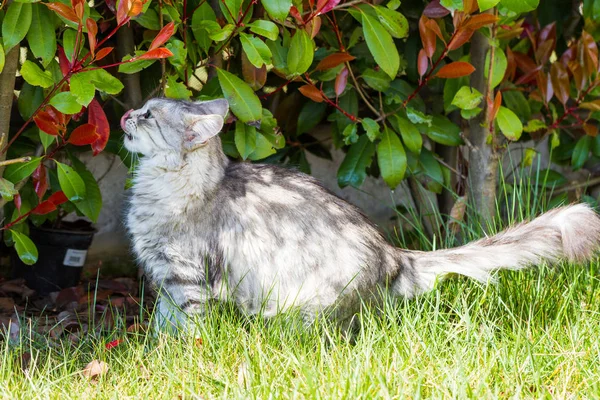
x,y
124,119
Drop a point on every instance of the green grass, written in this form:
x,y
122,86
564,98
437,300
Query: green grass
x,y
534,334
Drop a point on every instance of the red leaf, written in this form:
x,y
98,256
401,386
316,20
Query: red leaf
x,y
455,70
427,36
577,73
340,81
560,81
511,65
524,63
313,27
103,53
333,60
63,10
123,11
324,6
92,32
460,37
97,117
590,130
544,86
296,14
63,61
470,6
548,33
113,344
312,93
44,207
77,5
46,123
495,106
84,134
165,33
58,198
18,201
544,50
255,77
40,181
433,26
155,54
435,10
422,63
136,8
479,21
589,54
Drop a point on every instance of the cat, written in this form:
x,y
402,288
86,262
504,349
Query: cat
x,y
272,238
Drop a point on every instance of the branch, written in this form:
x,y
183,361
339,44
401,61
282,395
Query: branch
x,y
589,183
15,161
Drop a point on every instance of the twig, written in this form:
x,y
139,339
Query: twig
x,y
589,183
360,92
328,101
15,161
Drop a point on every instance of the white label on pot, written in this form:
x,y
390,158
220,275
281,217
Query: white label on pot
x,y
75,258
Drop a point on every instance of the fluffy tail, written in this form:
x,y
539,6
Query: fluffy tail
x,y
571,232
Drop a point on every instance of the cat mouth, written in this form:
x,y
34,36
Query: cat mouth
x,y
124,124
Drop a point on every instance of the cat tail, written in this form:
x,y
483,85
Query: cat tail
x,y
571,232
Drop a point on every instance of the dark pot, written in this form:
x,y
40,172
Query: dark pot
x,y
62,254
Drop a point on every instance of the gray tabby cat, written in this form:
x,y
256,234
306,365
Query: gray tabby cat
x,y
271,238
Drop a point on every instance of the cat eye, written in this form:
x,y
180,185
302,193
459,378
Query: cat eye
x,y
147,114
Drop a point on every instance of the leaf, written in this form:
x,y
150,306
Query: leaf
x,y
372,128
165,34
278,9
410,134
509,123
40,181
63,10
455,70
551,179
45,207
263,149
25,248
255,77
352,170
46,139
82,88
176,90
377,80
485,5
310,115
92,29
242,100
83,135
35,76
381,45
91,205
333,60
560,82
311,92
422,63
2,58
395,23
427,36
156,54
593,105
7,189
479,21
467,98
460,37
300,55
16,23
264,28
70,182
97,117
350,134
534,125
443,131
341,81
29,100
435,10
203,13
95,368
417,117
41,36
499,67
17,172
256,50
520,6
103,53
324,6
391,158
581,152
245,139
66,103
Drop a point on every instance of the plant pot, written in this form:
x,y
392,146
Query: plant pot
x,y
62,254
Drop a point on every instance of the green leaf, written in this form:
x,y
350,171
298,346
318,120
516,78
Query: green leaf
x,y
467,98
417,117
452,5
82,88
377,80
256,50
520,6
69,39
391,158
245,139
70,182
381,45
91,204
516,101
41,36
310,115
176,90
444,132
264,28
410,134
596,146
29,100
25,248
581,152
135,66
46,139
550,179
277,9
301,53
35,76
509,123
528,157
468,114
451,87
222,33
242,100
263,149
431,168
2,57
202,13
150,20
7,189
17,172
350,134
487,4
372,128
178,60
104,81
15,25
352,171
395,23
534,125
499,67
280,54
66,102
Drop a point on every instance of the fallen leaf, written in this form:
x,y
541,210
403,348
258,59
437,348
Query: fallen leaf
x,y
113,344
95,369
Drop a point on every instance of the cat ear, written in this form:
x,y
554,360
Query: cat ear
x,y
218,106
200,129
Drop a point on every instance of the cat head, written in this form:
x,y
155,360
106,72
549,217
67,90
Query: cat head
x,y
165,125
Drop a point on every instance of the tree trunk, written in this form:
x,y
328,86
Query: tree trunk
x,y
483,158
131,82
7,87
